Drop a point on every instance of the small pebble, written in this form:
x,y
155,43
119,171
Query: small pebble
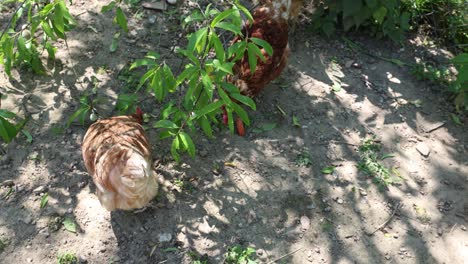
x,y
40,189
339,201
165,237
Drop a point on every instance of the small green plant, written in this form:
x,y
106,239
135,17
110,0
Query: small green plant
x,y
443,20
460,86
427,72
8,129
3,244
44,200
67,258
240,255
371,164
303,159
197,259
203,85
24,44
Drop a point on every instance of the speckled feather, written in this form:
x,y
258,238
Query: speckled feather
x,y
117,155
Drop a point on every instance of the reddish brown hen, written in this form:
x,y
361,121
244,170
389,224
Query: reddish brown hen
x,y
117,155
270,23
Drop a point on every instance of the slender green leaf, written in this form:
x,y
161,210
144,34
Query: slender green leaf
x,y
328,170
121,19
7,130
69,225
108,7
188,143
241,113
206,126
245,100
221,16
175,146
265,45
44,200
165,124
229,27
207,84
218,46
28,136
208,109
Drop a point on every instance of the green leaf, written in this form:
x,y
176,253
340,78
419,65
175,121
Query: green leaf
x,y
268,126
461,59
265,45
165,124
188,143
6,114
175,146
336,87
245,100
80,114
252,52
218,46
114,44
328,170
48,30
121,19
69,225
224,96
221,16
125,102
456,119
197,40
108,7
207,84
206,126
44,200
379,14
142,62
7,130
208,109
225,67
241,113
156,85
169,82
245,11
29,138
296,121
229,27
57,20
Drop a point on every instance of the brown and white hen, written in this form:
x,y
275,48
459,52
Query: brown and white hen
x,y
117,155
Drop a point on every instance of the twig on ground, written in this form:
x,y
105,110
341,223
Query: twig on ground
x,y
397,207
286,255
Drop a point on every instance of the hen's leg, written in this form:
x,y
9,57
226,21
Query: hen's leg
x,y
225,115
240,127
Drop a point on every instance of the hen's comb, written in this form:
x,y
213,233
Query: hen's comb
x,y
138,111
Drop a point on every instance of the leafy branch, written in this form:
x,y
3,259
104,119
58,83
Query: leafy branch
x,y
203,84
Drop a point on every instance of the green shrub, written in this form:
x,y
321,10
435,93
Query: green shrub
x,y
445,20
460,86
24,44
381,17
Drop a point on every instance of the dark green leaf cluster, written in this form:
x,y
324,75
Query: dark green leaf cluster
x,y
382,17
204,82
24,44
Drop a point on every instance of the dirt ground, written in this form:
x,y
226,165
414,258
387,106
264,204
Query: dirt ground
x,y
263,197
